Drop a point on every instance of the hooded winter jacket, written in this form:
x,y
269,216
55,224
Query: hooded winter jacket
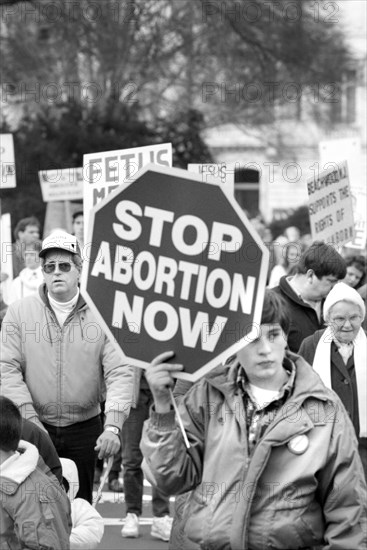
x,y
88,526
60,374
292,493
34,508
40,438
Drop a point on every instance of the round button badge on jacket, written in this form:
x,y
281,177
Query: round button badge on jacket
x,y
298,444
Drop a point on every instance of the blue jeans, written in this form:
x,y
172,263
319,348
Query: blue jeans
x,y
132,458
77,442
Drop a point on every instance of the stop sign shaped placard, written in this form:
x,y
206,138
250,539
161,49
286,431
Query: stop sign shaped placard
x,y
173,264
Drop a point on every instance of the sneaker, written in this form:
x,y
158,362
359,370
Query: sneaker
x,y
161,528
116,485
131,527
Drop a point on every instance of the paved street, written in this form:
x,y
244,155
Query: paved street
x,y
112,509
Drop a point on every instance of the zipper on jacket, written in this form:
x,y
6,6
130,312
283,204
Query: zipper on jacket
x,y
251,498
50,314
63,331
264,464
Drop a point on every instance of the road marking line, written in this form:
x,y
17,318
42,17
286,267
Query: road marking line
x,y
145,483
119,498
111,522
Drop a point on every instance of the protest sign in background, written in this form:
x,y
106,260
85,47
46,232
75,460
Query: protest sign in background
x,y
350,149
7,162
223,171
61,185
6,259
104,172
174,264
330,205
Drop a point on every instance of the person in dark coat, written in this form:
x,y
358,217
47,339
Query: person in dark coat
x,y
338,354
40,439
319,268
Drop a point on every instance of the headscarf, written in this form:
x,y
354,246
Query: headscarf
x,y
343,293
322,360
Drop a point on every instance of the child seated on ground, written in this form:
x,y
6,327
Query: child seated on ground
x,y
88,526
34,509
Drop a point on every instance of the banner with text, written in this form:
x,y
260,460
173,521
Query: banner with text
x,y
6,258
174,264
350,149
330,205
223,171
7,162
61,185
104,172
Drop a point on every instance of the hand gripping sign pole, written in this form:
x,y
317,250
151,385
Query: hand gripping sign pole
x,y
179,419
103,481
161,359
174,263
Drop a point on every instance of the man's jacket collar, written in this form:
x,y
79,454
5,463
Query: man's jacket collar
x,y
43,293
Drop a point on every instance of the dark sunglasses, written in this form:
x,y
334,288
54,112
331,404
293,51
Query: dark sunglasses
x,y
64,267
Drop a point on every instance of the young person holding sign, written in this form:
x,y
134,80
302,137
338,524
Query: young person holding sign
x,y
273,457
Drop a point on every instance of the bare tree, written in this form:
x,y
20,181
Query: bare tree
x,y
233,60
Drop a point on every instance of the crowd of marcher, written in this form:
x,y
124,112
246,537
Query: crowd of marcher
x,y
272,450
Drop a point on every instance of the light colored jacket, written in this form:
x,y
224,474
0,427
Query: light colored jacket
x,y
88,526
34,508
282,496
26,284
61,374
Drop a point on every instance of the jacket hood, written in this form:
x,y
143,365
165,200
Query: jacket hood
x,y
70,473
18,467
307,382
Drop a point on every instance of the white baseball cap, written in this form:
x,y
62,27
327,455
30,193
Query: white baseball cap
x,y
62,241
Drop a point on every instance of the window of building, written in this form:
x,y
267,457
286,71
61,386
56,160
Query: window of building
x,y
247,186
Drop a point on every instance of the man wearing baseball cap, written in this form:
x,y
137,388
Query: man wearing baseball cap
x,y
57,365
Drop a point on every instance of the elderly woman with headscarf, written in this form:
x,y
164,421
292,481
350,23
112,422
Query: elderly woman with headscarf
x,y
338,355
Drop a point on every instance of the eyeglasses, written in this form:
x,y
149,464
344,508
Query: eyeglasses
x,y
64,267
340,321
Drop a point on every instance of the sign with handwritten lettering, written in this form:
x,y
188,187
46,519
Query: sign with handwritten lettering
x,y
330,205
